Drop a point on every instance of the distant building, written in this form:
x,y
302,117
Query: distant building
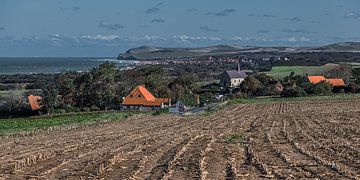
x,y
179,108
141,99
232,78
279,87
34,102
333,82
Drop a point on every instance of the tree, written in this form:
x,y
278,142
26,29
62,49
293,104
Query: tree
x,y
250,86
293,91
353,87
65,83
156,81
295,79
13,100
49,97
321,88
182,85
102,88
263,78
356,75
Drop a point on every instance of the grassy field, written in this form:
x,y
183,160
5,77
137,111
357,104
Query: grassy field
x,y
3,93
282,71
268,99
28,124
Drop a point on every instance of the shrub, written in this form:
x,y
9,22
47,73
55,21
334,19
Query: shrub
x,y
352,87
293,92
321,88
251,86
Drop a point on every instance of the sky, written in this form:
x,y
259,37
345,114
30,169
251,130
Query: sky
x,y
105,28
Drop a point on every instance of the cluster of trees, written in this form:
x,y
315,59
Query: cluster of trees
x,y
290,86
260,85
104,87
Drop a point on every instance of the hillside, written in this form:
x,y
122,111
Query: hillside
x,y
150,52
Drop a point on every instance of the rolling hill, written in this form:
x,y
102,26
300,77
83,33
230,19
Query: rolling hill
x,y
151,52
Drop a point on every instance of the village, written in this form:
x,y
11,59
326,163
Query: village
x,y
232,84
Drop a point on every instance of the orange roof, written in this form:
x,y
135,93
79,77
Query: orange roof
x,y
316,79
141,96
336,82
34,102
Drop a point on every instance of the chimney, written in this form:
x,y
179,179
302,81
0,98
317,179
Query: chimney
x,y
238,66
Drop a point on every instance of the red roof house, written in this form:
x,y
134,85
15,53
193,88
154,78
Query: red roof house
x,y
316,79
336,82
34,102
333,82
141,99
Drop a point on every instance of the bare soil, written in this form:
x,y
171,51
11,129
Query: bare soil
x,y
294,140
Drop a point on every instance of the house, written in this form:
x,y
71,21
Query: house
x,y
232,78
339,83
278,87
141,99
315,79
34,102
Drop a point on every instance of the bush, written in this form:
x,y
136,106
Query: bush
x,y
321,88
250,86
294,92
94,108
352,88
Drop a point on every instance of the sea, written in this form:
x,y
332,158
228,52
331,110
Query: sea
x,y
36,65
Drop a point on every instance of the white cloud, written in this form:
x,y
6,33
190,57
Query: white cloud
x,y
101,37
154,38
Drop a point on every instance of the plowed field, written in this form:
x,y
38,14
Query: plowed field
x,y
296,140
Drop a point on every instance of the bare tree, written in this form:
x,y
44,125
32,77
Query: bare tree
x,y
13,100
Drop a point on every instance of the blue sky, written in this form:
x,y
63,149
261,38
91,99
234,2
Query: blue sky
x,y
108,27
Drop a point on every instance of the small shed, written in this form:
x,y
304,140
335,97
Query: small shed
x,y
178,108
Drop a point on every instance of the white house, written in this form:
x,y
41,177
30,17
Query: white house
x,y
232,78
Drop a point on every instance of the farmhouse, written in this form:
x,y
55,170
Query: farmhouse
x,y
141,99
232,78
34,102
333,82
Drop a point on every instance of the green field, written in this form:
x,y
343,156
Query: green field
x,y
28,124
282,71
269,99
3,93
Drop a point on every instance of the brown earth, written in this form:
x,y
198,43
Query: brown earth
x,y
310,140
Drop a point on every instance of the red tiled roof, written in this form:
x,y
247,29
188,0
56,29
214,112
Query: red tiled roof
x,y
316,79
34,102
336,82
333,82
141,96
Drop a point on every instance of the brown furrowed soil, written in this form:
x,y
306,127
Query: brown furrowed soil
x,y
295,140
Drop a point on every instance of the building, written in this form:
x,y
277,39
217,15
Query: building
x,y
232,78
34,102
141,99
334,82
179,108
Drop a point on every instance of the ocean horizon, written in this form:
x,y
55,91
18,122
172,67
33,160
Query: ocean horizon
x,y
51,65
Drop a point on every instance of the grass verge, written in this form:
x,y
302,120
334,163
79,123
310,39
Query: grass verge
x,y
15,125
279,99
282,71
